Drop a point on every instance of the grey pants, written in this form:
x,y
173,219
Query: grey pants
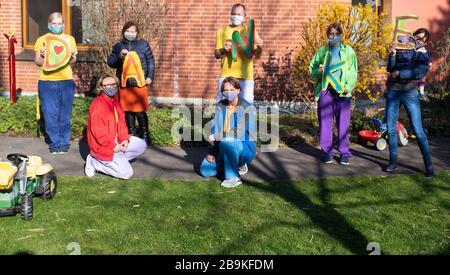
x,y
120,166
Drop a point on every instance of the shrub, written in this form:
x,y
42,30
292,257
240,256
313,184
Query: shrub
x,y
439,76
366,32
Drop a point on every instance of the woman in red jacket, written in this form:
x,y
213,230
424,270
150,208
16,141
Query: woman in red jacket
x,y
111,146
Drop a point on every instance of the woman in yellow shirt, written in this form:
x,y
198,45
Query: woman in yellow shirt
x,y
56,87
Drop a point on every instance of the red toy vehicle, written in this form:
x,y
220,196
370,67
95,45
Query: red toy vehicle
x,y
379,137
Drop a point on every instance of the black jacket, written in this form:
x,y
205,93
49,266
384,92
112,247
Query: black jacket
x,y
142,48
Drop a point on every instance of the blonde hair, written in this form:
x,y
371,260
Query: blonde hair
x,y
55,15
100,81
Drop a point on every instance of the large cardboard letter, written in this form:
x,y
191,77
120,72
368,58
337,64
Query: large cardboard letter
x,y
246,44
132,68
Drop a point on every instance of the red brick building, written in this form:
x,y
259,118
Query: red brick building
x,y
184,71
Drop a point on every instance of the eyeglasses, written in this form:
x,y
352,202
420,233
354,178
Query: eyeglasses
x,y
418,38
109,85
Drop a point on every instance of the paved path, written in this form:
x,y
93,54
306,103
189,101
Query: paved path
x,y
285,164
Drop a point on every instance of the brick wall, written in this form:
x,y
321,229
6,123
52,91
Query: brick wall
x,y
187,67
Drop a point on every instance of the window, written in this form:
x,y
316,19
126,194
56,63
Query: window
x,y
35,20
373,3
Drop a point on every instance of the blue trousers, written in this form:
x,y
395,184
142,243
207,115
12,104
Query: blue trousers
x,y
412,105
56,104
227,160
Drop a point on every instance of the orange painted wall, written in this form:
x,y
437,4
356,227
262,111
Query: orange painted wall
x,y
433,14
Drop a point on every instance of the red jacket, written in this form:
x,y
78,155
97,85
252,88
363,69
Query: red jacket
x,y
103,127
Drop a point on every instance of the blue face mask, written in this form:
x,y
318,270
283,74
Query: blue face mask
x,y
230,95
334,42
56,30
110,91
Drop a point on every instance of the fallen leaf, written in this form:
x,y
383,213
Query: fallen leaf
x,y
36,230
112,192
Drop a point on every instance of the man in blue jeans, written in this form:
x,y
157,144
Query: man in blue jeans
x,y
406,67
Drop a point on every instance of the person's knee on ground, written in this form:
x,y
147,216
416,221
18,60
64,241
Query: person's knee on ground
x,y
125,175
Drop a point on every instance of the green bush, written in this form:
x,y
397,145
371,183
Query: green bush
x,y
20,120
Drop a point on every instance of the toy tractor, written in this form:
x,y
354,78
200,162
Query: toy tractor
x,y
379,137
21,179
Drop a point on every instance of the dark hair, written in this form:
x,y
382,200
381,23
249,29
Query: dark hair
x,y
238,5
232,81
128,25
424,31
337,26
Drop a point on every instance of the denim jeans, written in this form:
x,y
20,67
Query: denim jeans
x,y
227,160
56,103
411,102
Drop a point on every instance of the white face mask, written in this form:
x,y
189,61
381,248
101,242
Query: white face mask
x,y
237,20
130,36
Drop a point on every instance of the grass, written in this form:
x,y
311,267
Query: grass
x,y
405,214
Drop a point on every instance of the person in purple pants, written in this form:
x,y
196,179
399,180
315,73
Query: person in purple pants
x,y
335,69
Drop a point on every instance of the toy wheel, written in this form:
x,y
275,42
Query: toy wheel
x,y
49,184
403,137
26,211
381,144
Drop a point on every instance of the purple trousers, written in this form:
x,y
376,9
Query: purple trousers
x,y
331,106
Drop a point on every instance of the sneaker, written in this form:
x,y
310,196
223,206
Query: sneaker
x,y
89,170
54,151
231,183
344,160
243,169
391,167
327,159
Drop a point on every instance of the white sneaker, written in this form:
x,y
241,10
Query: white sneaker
x,y
243,169
231,183
89,170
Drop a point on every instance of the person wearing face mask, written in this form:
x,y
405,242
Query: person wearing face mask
x,y
333,104
407,67
233,136
242,68
135,67
56,89
111,146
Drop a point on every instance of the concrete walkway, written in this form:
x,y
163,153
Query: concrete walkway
x,y
285,164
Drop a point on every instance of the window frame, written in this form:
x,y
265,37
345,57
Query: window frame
x,y
66,13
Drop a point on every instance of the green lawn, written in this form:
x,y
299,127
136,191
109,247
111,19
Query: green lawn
x,y
405,214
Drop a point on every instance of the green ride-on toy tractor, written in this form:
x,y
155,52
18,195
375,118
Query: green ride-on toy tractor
x,y
21,179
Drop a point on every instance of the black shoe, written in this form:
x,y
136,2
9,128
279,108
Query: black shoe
x,y
130,118
430,172
143,127
429,168
327,159
392,166
344,160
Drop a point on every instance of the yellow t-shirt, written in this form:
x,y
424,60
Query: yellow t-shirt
x,y
241,68
65,73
